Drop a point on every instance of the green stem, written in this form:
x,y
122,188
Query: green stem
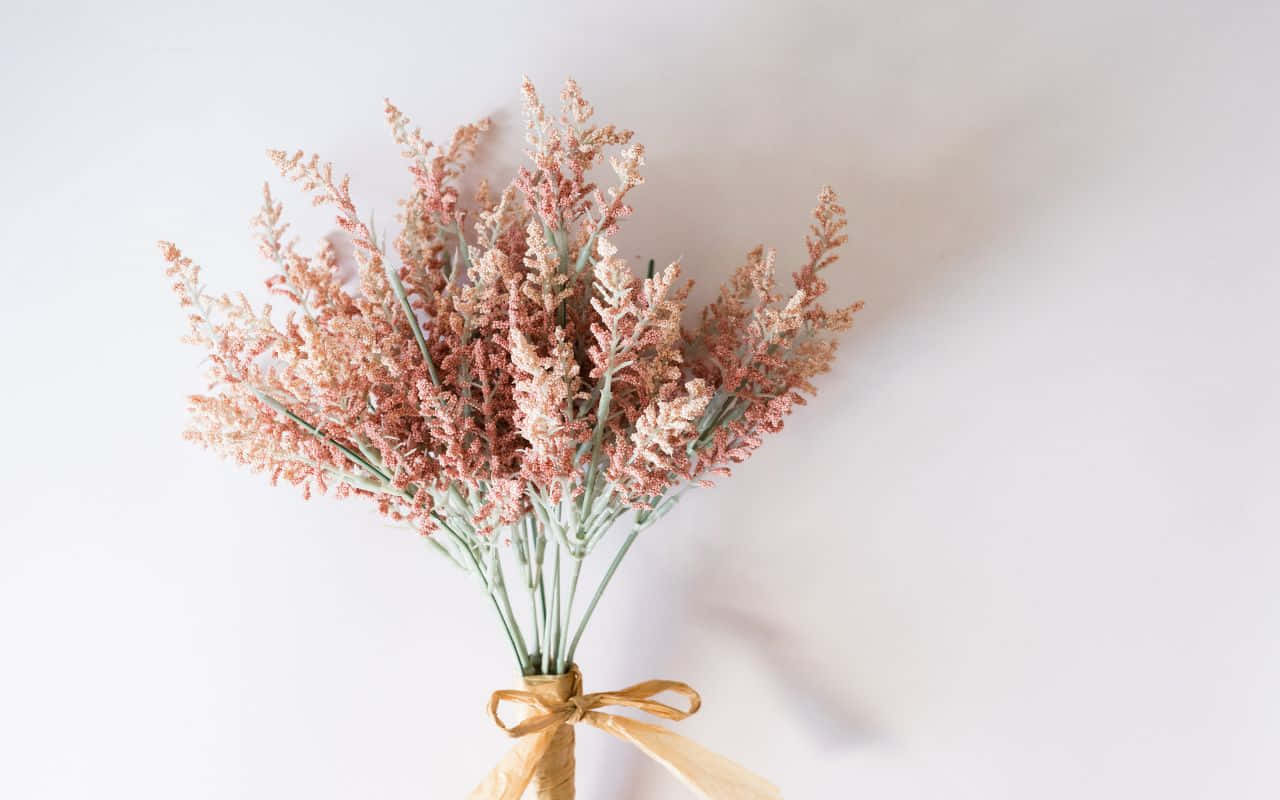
x,y
542,596
553,620
531,582
396,286
499,585
563,663
316,432
446,552
462,545
597,436
464,254
608,575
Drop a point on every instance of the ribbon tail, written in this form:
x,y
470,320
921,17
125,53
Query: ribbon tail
x,y
710,775
509,778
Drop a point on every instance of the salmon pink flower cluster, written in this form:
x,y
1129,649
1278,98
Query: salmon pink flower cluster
x,y
497,376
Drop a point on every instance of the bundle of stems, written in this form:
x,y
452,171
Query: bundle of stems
x,y
549,547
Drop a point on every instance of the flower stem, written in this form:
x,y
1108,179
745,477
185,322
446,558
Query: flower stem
x,y
397,286
499,587
532,582
608,575
464,547
553,619
563,663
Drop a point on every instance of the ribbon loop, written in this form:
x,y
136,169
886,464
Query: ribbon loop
x,y
550,715
640,696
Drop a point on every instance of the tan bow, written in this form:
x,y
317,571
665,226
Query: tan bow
x,y
551,706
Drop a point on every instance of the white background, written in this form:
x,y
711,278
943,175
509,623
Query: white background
x,y
1022,545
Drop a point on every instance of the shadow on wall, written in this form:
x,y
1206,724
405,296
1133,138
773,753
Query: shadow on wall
x,y
916,233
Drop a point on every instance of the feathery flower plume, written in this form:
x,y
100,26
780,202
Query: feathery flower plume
x,y
508,385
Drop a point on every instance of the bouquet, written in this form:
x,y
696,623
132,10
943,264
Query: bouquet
x,y
497,378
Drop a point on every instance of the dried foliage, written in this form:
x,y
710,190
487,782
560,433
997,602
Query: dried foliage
x,y
501,374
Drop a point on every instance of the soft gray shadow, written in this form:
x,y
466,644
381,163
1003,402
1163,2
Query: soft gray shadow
x,y
820,706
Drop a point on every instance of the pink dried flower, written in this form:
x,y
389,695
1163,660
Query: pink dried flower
x,y
513,374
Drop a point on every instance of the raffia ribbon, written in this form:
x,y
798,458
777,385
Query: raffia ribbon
x,y
545,747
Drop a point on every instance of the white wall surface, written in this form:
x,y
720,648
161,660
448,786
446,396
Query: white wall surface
x,y
1023,544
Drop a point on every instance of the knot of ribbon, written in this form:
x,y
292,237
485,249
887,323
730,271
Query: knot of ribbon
x,y
579,707
708,774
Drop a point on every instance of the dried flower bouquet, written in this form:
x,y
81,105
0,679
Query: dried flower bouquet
x,y
499,378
